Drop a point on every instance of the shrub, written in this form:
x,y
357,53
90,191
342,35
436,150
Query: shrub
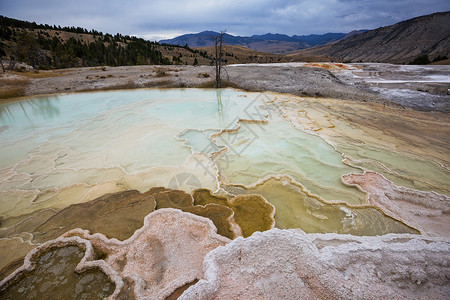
x,y
421,60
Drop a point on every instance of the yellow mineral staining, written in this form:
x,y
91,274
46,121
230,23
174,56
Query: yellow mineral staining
x,y
221,215
327,66
251,212
18,202
298,208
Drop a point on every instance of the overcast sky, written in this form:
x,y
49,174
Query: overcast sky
x,y
158,19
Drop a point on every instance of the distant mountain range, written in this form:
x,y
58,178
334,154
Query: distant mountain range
x,y
269,42
418,40
399,43
424,38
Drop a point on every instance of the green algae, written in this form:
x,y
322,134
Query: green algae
x,y
297,208
54,278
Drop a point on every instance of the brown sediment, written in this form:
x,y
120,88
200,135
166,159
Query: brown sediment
x,y
13,252
204,197
222,216
115,215
25,223
172,198
118,215
428,211
177,293
251,212
12,266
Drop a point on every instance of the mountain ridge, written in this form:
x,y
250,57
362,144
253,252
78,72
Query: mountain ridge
x,y
269,42
402,42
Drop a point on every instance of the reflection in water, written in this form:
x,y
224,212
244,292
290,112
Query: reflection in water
x,y
220,106
46,107
43,107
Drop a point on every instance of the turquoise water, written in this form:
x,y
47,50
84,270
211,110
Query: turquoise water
x,y
88,138
138,123
80,141
257,151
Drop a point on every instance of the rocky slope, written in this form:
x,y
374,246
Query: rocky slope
x,y
399,43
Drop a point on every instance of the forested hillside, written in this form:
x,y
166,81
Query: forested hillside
x,y
47,47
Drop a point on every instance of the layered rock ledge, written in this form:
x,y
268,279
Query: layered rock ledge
x,y
177,251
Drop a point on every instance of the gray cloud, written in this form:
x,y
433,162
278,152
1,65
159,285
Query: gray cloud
x,y
166,18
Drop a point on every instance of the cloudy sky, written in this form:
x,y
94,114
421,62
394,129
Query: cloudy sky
x,y
158,19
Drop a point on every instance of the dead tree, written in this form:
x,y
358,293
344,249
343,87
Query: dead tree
x,y
12,62
1,63
218,46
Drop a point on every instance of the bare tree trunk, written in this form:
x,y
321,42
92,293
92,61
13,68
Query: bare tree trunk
x,y
218,45
3,67
216,41
12,62
220,58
